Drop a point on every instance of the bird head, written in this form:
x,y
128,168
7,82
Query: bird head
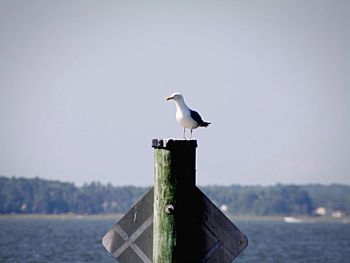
x,y
175,96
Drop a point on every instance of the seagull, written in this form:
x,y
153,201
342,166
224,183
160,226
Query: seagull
x,y
186,117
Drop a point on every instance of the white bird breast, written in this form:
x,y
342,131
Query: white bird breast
x,y
185,120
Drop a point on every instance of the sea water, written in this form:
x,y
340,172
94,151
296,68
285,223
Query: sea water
x,y
79,240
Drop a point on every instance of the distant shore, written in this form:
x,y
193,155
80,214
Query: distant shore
x,y
116,217
67,216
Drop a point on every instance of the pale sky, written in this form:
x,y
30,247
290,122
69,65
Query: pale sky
x,y
83,87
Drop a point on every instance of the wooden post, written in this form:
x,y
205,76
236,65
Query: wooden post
x,y
175,180
184,224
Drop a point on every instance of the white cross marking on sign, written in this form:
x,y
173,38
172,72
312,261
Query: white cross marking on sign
x,y
129,241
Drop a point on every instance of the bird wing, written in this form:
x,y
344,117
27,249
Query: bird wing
x,y
195,115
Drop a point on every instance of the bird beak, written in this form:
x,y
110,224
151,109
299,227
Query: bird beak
x,y
169,98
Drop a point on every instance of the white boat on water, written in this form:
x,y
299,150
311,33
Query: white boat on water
x,y
290,219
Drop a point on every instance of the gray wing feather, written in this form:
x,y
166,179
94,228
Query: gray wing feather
x,y
195,115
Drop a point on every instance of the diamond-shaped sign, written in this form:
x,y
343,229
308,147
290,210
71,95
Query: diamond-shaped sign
x,y
216,238
223,241
130,240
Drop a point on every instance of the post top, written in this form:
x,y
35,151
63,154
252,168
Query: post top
x,y
169,142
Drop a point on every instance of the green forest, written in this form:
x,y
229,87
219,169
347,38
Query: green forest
x,y
22,195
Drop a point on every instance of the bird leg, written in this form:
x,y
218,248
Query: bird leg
x,y
191,135
184,133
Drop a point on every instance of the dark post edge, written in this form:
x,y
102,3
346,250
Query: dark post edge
x,y
168,143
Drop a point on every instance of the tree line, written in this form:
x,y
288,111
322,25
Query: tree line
x,y
23,195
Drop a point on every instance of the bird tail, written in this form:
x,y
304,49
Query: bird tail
x,y
205,124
